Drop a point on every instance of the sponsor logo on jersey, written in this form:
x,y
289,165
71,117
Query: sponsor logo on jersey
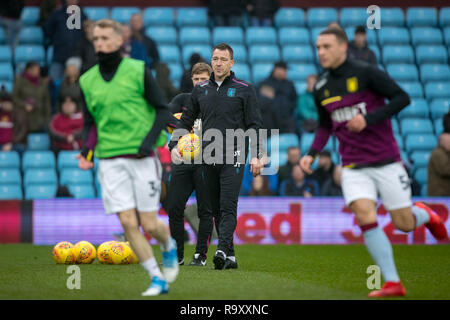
x,y
352,84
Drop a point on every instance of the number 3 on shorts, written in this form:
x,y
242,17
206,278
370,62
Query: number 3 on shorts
x,y
404,180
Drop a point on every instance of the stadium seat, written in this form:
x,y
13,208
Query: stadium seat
x,y
418,108
7,84
30,16
194,35
437,89
260,35
397,54
393,36
9,159
299,72
261,71
392,17
82,191
230,35
439,107
431,54
5,54
242,71
403,72
420,158
421,17
6,72
315,32
306,142
434,72
46,191
421,175
38,141
169,53
165,35
300,86
424,190
264,54
123,14
202,49
444,17
176,71
447,35
10,192
395,125
371,35
321,17
239,53
297,54
293,36
31,35
399,138
413,88
287,140
416,125
438,127
67,159
420,142
40,177
353,16
192,17
74,176
376,51
25,53
10,176
38,159
96,13
290,17
426,35
159,17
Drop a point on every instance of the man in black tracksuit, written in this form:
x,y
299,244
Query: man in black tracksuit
x,y
224,102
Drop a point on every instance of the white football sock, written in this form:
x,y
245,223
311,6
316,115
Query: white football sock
x,y
151,265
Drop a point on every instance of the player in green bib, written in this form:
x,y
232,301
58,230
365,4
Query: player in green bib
x,y
125,115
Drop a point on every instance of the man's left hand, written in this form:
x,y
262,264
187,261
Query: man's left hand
x,y
255,166
357,123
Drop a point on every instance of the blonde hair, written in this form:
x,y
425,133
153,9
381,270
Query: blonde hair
x,y
109,23
200,68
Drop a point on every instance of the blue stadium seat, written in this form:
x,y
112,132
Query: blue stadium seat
x,y
82,191
447,35
96,13
297,54
431,54
418,108
420,158
25,53
306,142
242,71
38,159
416,125
202,49
353,16
293,36
6,72
31,35
397,54
437,89
444,17
75,176
371,35
420,142
264,53
159,16
10,192
30,16
45,191
394,36
290,17
67,159
9,159
421,17
287,140
434,72
260,35
38,141
399,138
392,17
176,71
194,35
403,72
230,35
5,53
40,177
376,51
165,35
261,71
123,14
315,32
8,85
395,125
300,86
439,107
299,72
239,53
421,175
169,53
438,126
10,176
321,17
424,190
413,88
192,17
426,35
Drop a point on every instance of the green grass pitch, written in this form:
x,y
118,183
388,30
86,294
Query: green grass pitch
x,y
286,272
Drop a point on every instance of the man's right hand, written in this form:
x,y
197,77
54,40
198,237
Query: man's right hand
x,y
83,163
305,164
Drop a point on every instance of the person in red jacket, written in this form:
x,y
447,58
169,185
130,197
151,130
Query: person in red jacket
x,y
67,125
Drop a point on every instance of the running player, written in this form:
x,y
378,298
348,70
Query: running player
x,y
350,97
125,114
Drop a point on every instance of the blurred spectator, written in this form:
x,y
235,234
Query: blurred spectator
x,y
10,11
63,192
46,8
306,114
262,12
260,186
66,126
270,116
13,127
285,96
85,47
226,13
131,48
439,168
358,48
299,185
446,123
63,39
31,94
69,84
186,85
325,168
138,34
334,24
164,82
332,187
293,158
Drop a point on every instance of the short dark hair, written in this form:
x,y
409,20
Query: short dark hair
x,y
339,33
223,46
360,29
